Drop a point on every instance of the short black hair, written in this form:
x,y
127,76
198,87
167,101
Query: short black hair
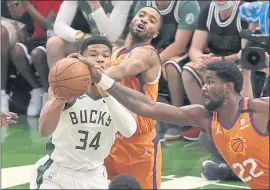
x,y
228,72
124,181
95,39
161,18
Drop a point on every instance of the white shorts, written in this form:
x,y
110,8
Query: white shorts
x,y
49,175
17,31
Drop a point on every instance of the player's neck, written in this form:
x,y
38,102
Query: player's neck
x,y
133,42
94,91
229,109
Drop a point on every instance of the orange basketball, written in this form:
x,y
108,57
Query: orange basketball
x,y
237,144
69,78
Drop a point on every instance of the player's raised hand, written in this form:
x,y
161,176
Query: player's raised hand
x,y
7,118
203,60
53,96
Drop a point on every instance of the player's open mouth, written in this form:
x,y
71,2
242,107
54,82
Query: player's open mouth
x,y
205,97
140,27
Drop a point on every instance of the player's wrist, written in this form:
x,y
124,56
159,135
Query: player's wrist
x,y
105,82
79,36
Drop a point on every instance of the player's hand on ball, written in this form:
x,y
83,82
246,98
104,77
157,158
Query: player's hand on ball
x,y
7,118
58,99
94,67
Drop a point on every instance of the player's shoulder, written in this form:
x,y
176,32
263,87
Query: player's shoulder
x,y
260,105
147,52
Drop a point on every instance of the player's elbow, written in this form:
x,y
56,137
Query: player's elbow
x,y
43,131
131,130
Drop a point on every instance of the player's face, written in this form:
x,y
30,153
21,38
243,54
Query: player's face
x,y
145,24
100,54
213,91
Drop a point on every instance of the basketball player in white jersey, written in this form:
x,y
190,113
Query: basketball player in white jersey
x,y
83,131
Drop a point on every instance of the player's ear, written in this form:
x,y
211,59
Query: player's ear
x,y
229,87
156,34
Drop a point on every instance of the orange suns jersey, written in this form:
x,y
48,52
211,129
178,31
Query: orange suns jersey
x,y
144,124
244,147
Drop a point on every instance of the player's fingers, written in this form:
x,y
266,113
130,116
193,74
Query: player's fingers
x,y
13,115
73,55
89,62
12,121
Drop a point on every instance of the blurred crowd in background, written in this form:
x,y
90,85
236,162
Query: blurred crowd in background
x,y
36,34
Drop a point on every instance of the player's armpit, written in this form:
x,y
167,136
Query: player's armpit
x,y
261,105
139,60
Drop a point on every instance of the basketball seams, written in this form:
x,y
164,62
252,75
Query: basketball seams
x,y
59,74
57,77
69,88
69,78
64,86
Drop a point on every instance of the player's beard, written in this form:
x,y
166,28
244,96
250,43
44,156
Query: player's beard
x,y
139,37
213,105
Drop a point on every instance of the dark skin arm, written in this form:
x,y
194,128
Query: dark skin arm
x,y
140,60
141,105
260,107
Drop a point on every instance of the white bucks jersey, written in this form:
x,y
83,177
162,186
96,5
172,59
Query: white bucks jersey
x,y
84,135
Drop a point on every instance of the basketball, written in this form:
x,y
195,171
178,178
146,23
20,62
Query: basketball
x,y
237,145
69,77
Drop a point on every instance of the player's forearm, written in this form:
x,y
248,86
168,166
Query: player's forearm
x,y
247,87
123,120
50,117
107,25
64,19
132,100
37,16
195,53
174,49
116,73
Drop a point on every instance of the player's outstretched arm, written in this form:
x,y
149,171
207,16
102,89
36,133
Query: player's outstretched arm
x,y
50,115
142,105
122,119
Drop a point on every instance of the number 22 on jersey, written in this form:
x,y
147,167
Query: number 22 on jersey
x,y
243,167
93,144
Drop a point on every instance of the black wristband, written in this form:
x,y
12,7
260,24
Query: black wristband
x,y
223,58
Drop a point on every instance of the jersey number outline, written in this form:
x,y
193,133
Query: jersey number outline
x,y
93,144
251,171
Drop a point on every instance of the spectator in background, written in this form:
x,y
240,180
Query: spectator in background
x,y
34,52
15,26
92,19
179,23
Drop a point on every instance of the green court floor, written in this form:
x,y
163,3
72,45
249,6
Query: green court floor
x,y
22,146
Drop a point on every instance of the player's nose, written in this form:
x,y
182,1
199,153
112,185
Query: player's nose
x,y
204,88
143,20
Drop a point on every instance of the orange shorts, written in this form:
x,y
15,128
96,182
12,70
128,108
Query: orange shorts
x,y
198,75
138,156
